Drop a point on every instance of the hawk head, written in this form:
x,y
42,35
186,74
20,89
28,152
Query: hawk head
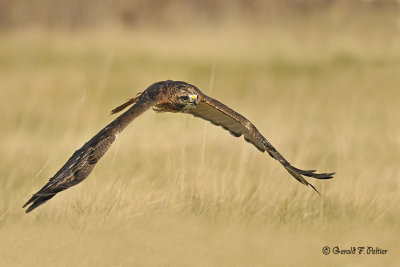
x,y
181,98
185,98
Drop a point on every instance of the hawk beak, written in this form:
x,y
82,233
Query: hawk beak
x,y
193,99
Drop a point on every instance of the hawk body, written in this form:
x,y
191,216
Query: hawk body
x,y
166,96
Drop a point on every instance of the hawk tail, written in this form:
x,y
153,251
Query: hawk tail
x,y
126,104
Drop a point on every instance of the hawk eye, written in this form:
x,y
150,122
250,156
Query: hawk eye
x,y
184,98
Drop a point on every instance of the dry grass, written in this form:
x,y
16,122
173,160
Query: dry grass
x,y
175,191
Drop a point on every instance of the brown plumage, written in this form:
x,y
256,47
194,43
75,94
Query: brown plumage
x,y
166,96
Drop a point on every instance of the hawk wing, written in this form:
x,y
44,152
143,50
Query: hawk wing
x,y
218,114
82,162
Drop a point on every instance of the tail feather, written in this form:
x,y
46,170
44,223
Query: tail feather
x,y
126,104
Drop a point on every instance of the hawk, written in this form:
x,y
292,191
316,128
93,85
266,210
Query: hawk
x,y
165,96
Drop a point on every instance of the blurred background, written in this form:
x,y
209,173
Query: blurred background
x,y
77,15
319,78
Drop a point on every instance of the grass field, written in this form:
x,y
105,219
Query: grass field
x,y
176,191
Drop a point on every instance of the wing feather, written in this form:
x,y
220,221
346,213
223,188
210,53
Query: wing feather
x,y
219,114
82,162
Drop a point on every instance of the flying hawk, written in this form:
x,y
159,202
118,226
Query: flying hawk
x,y
166,96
